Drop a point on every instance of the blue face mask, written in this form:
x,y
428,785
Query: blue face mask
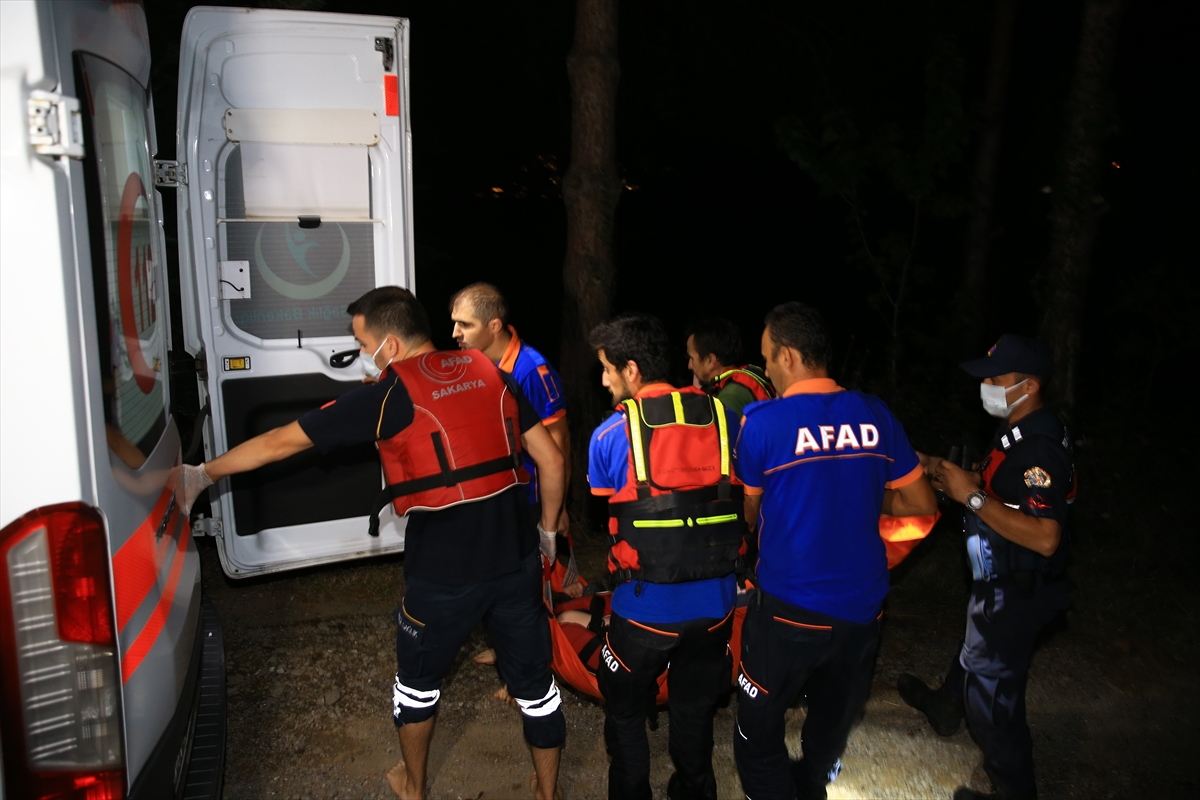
x,y
371,370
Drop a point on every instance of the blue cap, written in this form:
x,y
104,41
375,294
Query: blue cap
x,y
1012,353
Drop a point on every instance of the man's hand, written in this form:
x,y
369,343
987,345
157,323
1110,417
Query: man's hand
x,y
548,543
928,463
953,480
188,482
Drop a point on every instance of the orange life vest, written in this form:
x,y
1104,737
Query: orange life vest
x,y
679,515
750,376
464,442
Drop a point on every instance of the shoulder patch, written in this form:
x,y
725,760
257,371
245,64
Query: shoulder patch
x,y
1037,478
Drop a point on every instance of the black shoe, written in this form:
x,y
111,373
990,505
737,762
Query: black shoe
x,y
806,789
677,791
944,711
965,793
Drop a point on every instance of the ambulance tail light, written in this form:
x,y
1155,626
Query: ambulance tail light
x,y
60,711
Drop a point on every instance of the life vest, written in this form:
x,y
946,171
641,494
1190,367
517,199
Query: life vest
x,y
750,376
679,515
987,548
464,442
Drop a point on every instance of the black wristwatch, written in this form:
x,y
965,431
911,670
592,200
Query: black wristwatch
x,y
975,500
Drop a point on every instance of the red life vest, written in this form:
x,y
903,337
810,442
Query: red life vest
x,y
679,515
464,442
750,376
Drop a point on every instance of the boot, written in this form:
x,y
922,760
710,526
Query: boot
x,y
943,708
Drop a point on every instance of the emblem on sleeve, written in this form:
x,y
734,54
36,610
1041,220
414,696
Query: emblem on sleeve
x,y
1036,478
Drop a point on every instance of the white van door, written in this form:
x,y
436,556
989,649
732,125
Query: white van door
x,y
295,198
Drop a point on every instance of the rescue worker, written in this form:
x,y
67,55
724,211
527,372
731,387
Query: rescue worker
x,y
480,316
819,465
471,544
714,349
664,462
1016,513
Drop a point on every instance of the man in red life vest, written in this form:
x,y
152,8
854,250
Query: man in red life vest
x,y
664,460
714,348
451,430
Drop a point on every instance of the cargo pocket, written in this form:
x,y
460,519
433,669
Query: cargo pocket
x,y
803,632
410,641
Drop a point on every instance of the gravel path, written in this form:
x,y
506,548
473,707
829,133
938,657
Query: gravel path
x,y
1113,706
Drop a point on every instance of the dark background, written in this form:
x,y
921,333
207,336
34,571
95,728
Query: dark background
x,y
717,220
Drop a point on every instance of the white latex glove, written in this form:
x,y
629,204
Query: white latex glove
x,y
194,481
548,543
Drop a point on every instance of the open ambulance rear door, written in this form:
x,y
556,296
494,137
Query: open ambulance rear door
x,y
295,198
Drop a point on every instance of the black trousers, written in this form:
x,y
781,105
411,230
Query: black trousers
x,y
1002,623
434,620
787,650
632,658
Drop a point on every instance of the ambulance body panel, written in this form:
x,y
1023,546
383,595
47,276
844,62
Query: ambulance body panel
x,y
294,138
106,644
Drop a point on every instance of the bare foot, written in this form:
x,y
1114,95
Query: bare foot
x,y
533,787
397,778
502,694
485,657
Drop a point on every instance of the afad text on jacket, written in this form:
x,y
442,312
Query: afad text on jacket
x,y
464,442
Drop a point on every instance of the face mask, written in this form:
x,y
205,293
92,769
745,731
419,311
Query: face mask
x,y
995,399
372,371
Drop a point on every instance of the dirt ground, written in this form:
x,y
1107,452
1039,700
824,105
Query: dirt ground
x,y
1113,697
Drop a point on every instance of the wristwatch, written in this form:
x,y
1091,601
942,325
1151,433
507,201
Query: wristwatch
x,y
975,500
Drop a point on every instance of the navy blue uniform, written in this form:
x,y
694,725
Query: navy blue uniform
x,y
1014,594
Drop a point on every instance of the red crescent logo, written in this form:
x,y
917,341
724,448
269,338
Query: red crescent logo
x,y
142,372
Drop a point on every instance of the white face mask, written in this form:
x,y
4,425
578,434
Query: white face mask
x,y
995,399
368,362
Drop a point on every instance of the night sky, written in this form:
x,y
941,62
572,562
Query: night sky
x,y
717,220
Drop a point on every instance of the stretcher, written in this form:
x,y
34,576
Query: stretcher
x,y
900,535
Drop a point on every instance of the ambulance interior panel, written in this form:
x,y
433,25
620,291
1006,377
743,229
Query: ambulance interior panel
x,y
308,487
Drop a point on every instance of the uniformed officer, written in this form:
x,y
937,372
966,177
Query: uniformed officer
x,y
471,546
664,462
819,464
1016,515
480,316
714,349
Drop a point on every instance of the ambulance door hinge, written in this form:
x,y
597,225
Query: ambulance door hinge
x,y
169,174
384,45
55,124
207,526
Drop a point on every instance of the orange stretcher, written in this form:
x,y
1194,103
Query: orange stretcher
x,y
900,535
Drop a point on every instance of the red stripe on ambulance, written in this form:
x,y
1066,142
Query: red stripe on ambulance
x,y
137,563
145,640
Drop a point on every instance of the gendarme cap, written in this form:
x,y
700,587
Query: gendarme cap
x,y
1012,353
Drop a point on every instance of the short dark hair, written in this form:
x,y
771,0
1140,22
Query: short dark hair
x,y
486,302
392,311
639,338
800,327
719,337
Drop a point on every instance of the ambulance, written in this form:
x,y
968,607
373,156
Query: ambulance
x,y
293,189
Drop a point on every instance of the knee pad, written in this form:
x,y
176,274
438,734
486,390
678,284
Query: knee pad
x,y
413,705
542,719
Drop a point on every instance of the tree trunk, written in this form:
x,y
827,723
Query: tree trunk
x,y
1075,203
591,189
983,183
